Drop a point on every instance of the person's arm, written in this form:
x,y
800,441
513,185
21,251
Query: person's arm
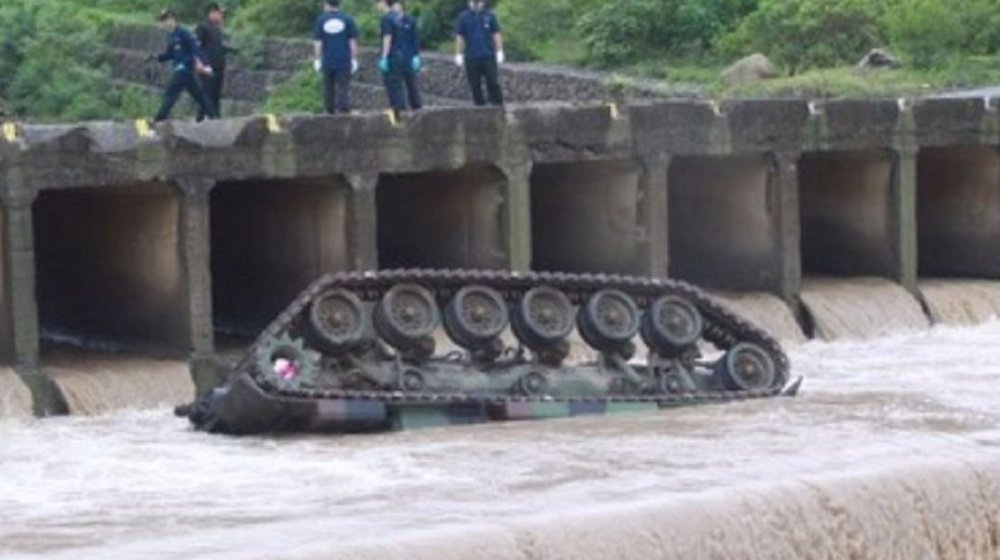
x,y
191,44
497,38
386,29
166,55
352,34
204,37
460,41
318,40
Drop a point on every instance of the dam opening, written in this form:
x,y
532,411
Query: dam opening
x,y
108,281
442,219
269,240
852,241
585,218
958,223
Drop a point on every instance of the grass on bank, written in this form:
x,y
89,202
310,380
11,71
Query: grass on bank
x,y
840,82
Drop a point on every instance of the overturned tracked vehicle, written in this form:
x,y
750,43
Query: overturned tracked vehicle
x,y
356,352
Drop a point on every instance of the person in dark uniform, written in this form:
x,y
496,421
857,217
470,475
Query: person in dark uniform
x,y
479,48
213,44
336,48
400,62
188,60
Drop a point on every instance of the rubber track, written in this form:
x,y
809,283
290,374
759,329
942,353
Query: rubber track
x,y
723,328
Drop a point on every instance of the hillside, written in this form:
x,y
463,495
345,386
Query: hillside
x,y
65,59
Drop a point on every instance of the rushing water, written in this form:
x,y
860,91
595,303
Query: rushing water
x,y
100,383
892,452
15,399
962,302
861,308
768,312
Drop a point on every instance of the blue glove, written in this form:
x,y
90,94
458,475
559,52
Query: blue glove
x,y
417,64
383,64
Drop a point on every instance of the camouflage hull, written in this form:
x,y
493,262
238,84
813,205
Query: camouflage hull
x,y
356,353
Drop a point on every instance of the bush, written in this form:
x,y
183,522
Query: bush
x,y
629,31
802,34
928,32
301,94
535,30
296,18
53,63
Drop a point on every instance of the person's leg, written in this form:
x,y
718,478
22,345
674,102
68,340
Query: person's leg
x,y
413,89
343,78
329,92
205,106
474,72
206,85
170,96
492,72
216,94
394,87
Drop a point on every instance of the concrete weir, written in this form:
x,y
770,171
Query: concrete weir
x,y
117,240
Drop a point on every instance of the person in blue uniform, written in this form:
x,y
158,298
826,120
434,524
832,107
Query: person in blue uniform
x,y
479,48
400,61
188,60
336,48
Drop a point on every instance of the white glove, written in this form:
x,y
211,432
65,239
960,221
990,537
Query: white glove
x,y
355,66
459,60
318,65
500,57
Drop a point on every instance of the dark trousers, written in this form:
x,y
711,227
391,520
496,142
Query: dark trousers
x,y
180,82
212,86
400,76
337,91
484,69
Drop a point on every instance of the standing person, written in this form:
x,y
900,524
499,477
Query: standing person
x,y
479,48
400,62
187,59
213,44
336,48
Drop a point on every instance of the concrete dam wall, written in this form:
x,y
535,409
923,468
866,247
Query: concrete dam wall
x,y
182,243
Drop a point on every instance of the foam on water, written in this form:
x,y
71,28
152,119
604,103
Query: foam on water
x,y
860,308
892,452
768,312
962,302
99,383
15,399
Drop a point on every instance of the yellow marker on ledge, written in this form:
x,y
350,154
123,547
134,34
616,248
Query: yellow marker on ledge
x,y
613,109
143,128
10,131
391,116
273,126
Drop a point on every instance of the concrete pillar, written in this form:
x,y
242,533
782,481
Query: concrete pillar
x,y
654,214
902,217
363,222
19,295
195,260
517,215
783,204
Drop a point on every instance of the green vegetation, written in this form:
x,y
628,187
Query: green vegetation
x,y
54,65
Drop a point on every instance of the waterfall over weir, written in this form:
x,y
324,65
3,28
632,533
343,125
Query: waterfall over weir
x,y
15,399
962,302
768,312
95,384
861,308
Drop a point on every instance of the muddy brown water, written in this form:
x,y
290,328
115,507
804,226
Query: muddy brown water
x,y
892,452
861,308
